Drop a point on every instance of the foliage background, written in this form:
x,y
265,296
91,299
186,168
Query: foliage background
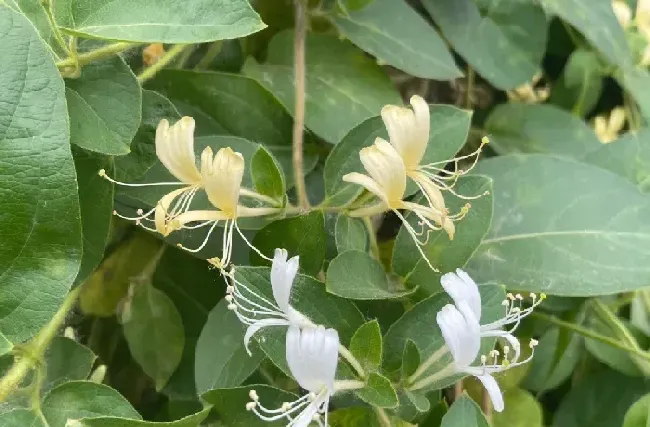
x,y
84,84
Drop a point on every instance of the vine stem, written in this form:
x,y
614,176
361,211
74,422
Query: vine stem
x,y
151,71
588,333
35,349
299,116
345,353
94,55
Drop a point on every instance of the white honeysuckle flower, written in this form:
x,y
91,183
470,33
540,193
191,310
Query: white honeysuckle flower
x,y
175,150
462,289
386,179
258,312
408,131
462,334
221,176
312,355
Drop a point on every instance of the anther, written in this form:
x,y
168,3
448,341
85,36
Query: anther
x,y
232,307
250,406
115,212
483,359
519,297
485,140
253,395
139,211
510,297
533,343
102,173
286,406
228,298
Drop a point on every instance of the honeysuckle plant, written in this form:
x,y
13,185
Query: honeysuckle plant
x,y
236,225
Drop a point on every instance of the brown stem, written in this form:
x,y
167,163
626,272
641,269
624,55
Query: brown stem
x,y
299,116
486,405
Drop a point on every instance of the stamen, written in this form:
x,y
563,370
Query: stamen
x,y
102,173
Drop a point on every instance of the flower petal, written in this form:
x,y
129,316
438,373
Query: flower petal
x,y
162,210
386,168
222,178
312,356
255,327
283,273
461,333
492,387
461,287
175,149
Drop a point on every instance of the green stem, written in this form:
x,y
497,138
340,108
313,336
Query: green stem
x,y
588,333
469,88
47,5
345,353
151,71
93,55
210,55
436,356
299,103
384,420
372,237
36,348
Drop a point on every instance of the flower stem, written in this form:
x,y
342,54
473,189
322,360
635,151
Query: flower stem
x,y
342,385
299,115
151,71
47,5
588,333
372,237
35,349
93,55
345,353
428,363
443,373
384,420
210,55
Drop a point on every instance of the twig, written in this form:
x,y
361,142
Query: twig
x,y
160,64
299,116
94,55
35,349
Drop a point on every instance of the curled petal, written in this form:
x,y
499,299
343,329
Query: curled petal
x,y
283,273
255,327
492,387
222,178
175,149
461,287
386,168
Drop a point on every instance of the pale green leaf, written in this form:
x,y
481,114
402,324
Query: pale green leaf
x,y
343,86
365,345
267,174
378,392
82,399
639,413
36,13
521,410
536,128
397,35
581,83
221,359
505,45
41,231
464,413
193,420
636,81
20,418
171,21
350,234
153,328
105,105
67,360
564,228
356,275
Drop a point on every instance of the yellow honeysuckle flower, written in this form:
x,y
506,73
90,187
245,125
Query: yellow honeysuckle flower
x,y
608,128
528,93
623,12
387,180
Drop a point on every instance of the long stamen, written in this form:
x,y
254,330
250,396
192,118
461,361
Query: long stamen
x,y
102,173
205,241
418,244
250,245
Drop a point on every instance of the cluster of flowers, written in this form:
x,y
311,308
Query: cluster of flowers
x,y
312,350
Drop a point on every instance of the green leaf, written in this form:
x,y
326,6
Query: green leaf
x,y
524,128
505,46
41,231
168,22
639,413
194,299
153,328
301,235
350,234
595,19
20,418
142,157
82,399
193,420
232,104
636,81
521,410
67,360
221,359
36,13
105,106
310,298
449,129
96,203
356,275
410,359
343,86
464,413
628,156
230,404
445,254
361,416
585,227
599,400
419,326
365,345
553,362
267,175
581,83
5,345
378,392
397,35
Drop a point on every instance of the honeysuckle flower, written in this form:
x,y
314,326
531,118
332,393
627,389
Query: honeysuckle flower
x,y
175,150
408,132
608,127
386,179
623,12
258,312
312,356
529,93
462,289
